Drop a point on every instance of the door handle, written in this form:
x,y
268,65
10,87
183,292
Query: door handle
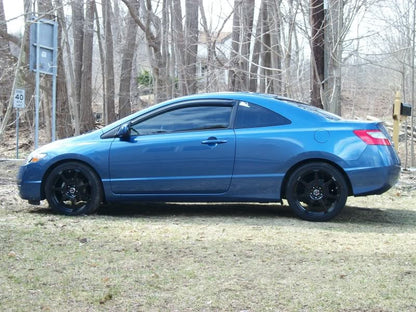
x,y
213,141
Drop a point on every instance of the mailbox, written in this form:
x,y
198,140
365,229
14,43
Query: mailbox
x,y
400,112
405,109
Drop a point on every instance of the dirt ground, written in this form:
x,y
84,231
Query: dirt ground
x,y
206,257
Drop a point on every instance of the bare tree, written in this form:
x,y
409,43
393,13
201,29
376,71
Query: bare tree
x,y
109,102
179,46
77,7
318,51
129,46
233,74
269,52
191,51
20,70
413,95
5,62
213,64
46,9
254,67
396,56
150,24
274,20
241,44
70,114
86,114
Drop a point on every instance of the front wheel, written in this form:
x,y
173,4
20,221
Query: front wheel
x,y
73,188
316,191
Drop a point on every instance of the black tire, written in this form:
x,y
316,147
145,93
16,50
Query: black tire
x,y
316,191
72,189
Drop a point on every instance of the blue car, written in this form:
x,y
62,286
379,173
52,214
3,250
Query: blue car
x,y
219,147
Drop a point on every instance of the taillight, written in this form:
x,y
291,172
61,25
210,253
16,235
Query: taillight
x,y
372,137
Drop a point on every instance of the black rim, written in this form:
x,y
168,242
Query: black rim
x,y
317,191
71,190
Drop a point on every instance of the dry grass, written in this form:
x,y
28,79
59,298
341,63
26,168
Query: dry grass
x,y
175,257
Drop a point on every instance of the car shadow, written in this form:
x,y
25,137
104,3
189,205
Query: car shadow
x,y
364,219
372,219
196,210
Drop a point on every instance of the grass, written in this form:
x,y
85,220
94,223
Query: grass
x,y
178,257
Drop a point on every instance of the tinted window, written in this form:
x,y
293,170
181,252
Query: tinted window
x,y
186,119
319,111
252,116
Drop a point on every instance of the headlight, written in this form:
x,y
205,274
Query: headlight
x,y
35,157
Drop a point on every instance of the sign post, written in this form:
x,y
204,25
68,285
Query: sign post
x,y
43,60
18,103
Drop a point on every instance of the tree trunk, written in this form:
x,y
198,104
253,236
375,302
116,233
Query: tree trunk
x,y
124,100
288,53
318,51
275,46
68,69
6,67
77,7
333,33
86,115
266,83
247,18
100,39
64,126
164,25
191,35
233,74
18,78
254,66
179,46
109,114
45,10
210,48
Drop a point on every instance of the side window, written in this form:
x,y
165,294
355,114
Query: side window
x,y
191,118
252,116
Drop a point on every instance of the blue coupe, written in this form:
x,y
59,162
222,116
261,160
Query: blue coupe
x,y
219,147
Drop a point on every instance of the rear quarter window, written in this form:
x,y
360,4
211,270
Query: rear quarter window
x,y
253,116
318,111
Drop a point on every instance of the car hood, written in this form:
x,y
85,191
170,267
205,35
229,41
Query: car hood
x,y
70,143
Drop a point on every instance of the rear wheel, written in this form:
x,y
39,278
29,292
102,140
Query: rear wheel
x,y
316,191
73,188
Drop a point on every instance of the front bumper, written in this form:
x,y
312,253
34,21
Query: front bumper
x,y
29,188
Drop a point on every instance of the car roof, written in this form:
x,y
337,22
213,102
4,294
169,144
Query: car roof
x,y
236,96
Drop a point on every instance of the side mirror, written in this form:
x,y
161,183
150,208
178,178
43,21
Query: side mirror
x,y
124,132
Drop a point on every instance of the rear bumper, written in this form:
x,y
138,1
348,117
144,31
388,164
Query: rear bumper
x,y
373,181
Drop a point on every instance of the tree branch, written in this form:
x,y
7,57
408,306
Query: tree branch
x,y
12,38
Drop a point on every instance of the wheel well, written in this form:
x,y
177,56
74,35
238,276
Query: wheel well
x,y
46,175
313,160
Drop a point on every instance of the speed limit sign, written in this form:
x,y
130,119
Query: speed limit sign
x,y
19,98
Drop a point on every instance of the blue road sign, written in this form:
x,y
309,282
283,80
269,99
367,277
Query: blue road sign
x,y
43,60
46,43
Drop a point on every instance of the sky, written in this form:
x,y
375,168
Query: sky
x,y
216,9
14,15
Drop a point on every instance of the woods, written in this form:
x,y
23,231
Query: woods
x,y
348,57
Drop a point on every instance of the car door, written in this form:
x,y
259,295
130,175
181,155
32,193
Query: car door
x,y
261,150
185,150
